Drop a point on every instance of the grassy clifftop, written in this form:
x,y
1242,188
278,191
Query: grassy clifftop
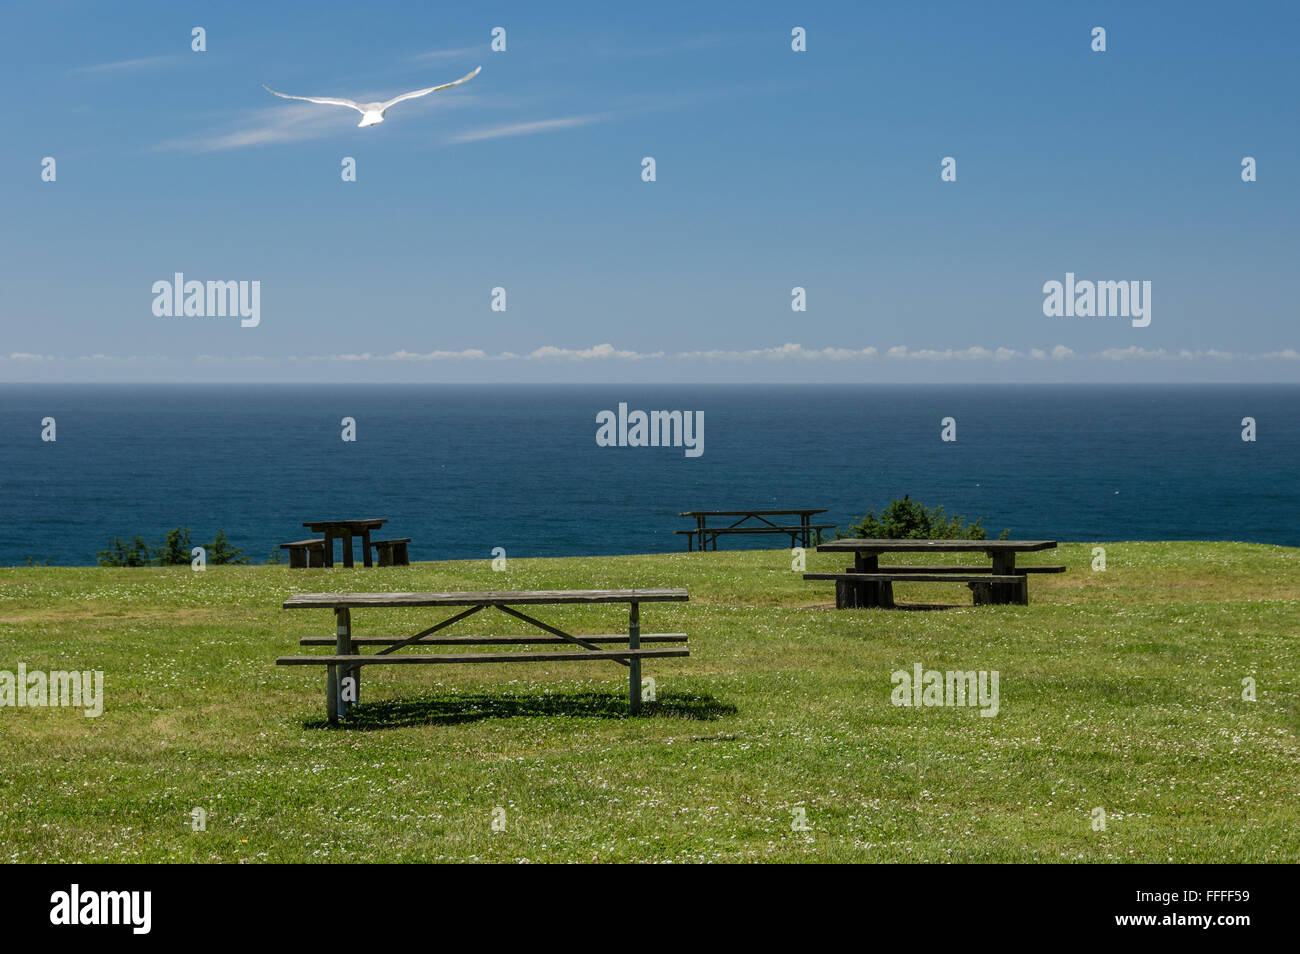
x,y
1119,690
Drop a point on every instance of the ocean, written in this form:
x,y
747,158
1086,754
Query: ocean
x,y
464,469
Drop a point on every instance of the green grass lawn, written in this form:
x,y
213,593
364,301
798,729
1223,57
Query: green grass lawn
x,y
1119,690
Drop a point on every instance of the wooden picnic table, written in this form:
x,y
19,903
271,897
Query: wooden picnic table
x,y
344,530
803,532
343,672
867,583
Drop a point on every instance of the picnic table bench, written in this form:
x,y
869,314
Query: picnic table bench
x,y
305,553
392,552
801,534
867,583
347,660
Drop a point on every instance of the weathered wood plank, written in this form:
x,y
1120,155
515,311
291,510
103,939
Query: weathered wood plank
x,y
493,597
523,640
449,658
371,523
967,569
916,577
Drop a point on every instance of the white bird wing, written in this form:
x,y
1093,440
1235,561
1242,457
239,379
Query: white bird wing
x,y
432,89
323,100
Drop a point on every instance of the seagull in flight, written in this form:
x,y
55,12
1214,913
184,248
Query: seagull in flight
x,y
373,113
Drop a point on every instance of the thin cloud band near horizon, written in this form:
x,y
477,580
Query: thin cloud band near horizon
x,y
787,351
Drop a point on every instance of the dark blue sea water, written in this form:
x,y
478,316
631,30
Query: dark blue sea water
x,y
463,469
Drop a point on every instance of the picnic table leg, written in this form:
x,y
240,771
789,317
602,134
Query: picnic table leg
x,y
329,548
343,647
1004,564
868,594
853,590
844,595
634,664
347,549
365,548
332,694
847,591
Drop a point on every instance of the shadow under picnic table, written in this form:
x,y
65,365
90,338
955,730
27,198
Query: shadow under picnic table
x,y
473,707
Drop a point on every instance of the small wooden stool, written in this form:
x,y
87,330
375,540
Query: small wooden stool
x,y
305,553
392,552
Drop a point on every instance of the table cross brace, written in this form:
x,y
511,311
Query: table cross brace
x,y
431,630
556,632
748,516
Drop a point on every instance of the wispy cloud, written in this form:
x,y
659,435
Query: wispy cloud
x,y
790,351
587,354
403,355
144,62
1131,352
300,123
264,127
627,107
785,351
272,125
526,129
27,356
441,56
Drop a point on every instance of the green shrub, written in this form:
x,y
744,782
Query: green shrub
x,y
119,553
907,519
220,550
175,549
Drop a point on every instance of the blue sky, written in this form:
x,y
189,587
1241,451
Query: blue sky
x,y
774,169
